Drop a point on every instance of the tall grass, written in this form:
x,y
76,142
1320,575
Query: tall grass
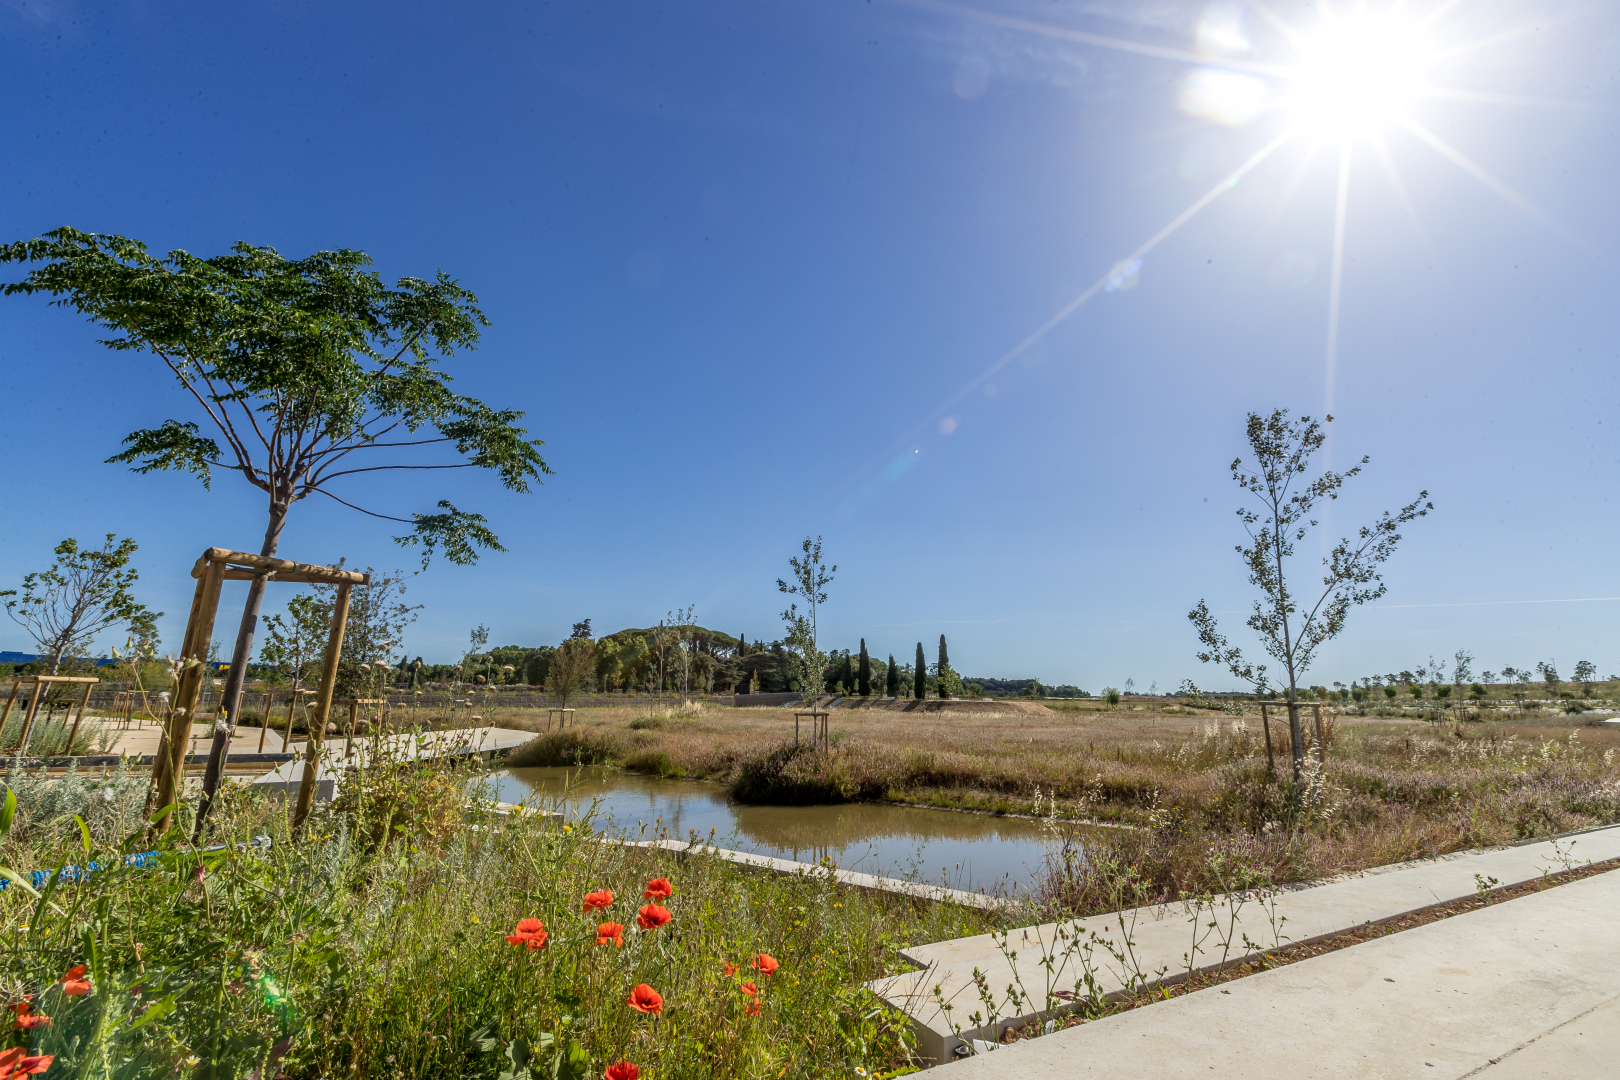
x,y
372,950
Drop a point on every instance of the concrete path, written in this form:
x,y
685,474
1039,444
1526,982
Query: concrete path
x,y
455,742
871,882
1525,988
1039,967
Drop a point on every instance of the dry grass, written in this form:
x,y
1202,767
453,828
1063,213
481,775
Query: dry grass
x,y
1191,783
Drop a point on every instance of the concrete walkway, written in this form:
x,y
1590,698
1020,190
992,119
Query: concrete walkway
x,y
1038,968
1525,988
455,742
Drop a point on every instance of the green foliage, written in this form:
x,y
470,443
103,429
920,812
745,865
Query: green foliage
x,y
891,686
811,576
919,675
948,681
573,666
296,364
1390,692
1294,628
343,956
863,678
84,592
1111,695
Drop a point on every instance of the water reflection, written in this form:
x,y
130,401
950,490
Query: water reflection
x,y
968,851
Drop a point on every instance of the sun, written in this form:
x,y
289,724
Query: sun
x,y
1358,73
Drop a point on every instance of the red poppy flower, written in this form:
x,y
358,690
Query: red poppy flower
x,y
622,1071
658,888
750,989
529,932
75,986
765,964
598,901
23,1007
753,1008
610,931
651,916
645,999
730,969
74,972
27,1019
13,1063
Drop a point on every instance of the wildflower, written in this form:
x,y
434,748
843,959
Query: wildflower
x,y
658,888
765,964
731,969
529,932
622,1071
645,999
27,1020
600,900
651,916
74,984
610,931
750,989
753,1008
13,1063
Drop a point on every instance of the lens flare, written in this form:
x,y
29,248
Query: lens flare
x,y
1359,72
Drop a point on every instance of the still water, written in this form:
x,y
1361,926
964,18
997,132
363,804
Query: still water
x,y
965,851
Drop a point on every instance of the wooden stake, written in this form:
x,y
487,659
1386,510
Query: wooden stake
x,y
170,766
286,736
1271,757
15,684
28,718
1321,735
264,721
323,706
84,699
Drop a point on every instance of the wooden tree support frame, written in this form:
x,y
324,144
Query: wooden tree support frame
x,y
215,567
42,685
820,736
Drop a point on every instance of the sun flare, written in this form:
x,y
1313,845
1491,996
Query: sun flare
x,y
1358,73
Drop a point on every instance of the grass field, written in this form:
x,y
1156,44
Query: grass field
x,y
1191,782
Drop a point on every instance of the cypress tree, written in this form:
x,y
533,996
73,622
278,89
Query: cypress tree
x,y
863,677
944,666
919,681
846,674
892,680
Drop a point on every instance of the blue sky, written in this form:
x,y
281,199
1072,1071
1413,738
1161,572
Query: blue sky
x,y
744,261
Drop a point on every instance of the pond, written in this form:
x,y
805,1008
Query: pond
x,y
964,851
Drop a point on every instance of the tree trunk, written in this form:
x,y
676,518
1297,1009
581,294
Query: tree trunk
x,y
231,698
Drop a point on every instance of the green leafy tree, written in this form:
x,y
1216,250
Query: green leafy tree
x,y
919,678
1462,669
891,687
950,683
1111,695
863,677
1548,670
82,594
308,371
811,576
1585,674
573,666
1293,627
